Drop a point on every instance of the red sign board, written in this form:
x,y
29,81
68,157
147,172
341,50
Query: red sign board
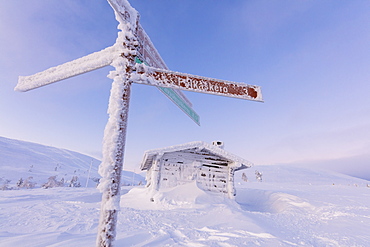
x,y
176,80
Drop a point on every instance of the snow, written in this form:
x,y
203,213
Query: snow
x,y
115,131
121,8
20,159
84,64
165,78
199,145
209,165
76,67
292,206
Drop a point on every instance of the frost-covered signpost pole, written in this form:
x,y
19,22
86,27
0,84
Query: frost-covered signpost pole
x,y
135,59
115,134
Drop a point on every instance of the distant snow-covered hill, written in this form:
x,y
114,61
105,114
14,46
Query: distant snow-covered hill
x,y
22,160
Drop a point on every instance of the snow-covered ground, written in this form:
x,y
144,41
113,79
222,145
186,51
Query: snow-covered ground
x,y
292,206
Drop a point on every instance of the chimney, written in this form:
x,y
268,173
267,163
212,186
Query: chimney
x,y
219,144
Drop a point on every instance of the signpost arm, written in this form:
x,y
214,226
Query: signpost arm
x,y
76,67
176,80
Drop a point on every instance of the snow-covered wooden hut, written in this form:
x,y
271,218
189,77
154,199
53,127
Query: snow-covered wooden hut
x,y
208,164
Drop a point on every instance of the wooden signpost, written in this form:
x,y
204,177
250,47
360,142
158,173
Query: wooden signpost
x,y
135,59
200,84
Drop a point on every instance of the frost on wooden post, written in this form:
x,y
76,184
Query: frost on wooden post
x,y
64,71
115,137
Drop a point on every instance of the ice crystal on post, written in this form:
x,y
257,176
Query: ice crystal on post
x,y
115,135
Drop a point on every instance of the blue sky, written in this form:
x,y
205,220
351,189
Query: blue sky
x,y
311,59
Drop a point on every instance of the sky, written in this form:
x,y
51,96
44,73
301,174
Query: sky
x,y
311,59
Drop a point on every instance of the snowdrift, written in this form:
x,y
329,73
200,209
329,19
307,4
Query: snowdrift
x,y
188,196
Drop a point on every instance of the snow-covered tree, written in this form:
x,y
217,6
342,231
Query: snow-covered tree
x,y
28,183
52,182
258,176
74,182
96,180
20,183
244,177
5,184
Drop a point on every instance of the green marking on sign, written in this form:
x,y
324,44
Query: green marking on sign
x,y
172,95
139,61
175,98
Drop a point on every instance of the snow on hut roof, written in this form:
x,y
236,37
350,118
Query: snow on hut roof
x,y
197,150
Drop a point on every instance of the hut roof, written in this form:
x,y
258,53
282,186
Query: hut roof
x,y
196,151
